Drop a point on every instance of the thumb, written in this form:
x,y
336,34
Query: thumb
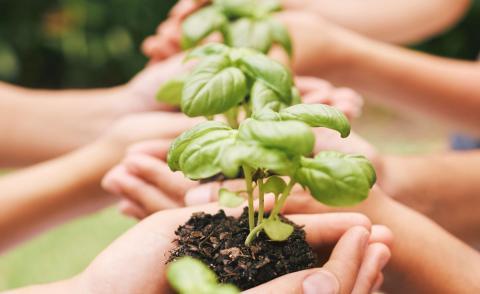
x,y
312,281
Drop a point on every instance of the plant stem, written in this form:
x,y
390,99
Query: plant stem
x,y
261,202
282,199
232,117
253,234
248,181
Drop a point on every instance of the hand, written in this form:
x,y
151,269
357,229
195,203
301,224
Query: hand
x,y
142,88
138,257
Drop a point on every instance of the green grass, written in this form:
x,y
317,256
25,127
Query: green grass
x,y
62,252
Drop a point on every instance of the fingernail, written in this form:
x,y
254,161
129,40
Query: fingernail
x,y
198,195
112,186
321,282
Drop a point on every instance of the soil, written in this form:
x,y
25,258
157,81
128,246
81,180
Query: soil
x,y
218,240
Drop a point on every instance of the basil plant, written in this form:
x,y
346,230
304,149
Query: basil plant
x,y
242,23
230,80
188,275
274,151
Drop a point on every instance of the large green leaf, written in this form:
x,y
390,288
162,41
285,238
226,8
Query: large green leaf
x,y
213,87
336,179
280,35
201,24
250,33
170,92
256,157
292,137
201,158
272,73
262,97
181,142
208,50
318,115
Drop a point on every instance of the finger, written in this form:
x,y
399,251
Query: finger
x,y
208,192
157,148
381,234
308,84
312,281
109,181
347,256
378,283
317,97
131,209
328,228
157,172
149,197
376,257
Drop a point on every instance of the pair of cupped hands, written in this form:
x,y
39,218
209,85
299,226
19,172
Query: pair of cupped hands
x,y
135,263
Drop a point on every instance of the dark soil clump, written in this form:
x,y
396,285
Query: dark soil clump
x,y
218,240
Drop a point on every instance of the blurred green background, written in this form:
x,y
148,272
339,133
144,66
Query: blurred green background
x,y
91,43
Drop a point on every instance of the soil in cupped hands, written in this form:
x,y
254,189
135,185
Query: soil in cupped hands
x,y
219,241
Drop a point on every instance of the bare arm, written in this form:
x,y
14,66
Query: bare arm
x,y
416,81
393,21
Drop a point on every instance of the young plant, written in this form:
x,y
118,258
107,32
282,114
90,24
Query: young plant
x,y
269,147
242,23
230,80
187,275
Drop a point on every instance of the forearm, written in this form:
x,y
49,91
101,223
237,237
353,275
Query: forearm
x,y
400,21
425,258
41,124
405,78
445,187
35,198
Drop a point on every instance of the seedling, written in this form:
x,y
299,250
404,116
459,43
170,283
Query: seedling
x,y
230,80
188,275
242,23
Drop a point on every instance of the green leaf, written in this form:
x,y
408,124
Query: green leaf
x,y
171,91
337,179
181,142
188,275
280,35
274,185
262,97
201,24
250,33
237,8
272,73
208,50
268,6
224,289
296,97
266,114
213,87
293,137
229,199
256,157
201,158
318,115
277,230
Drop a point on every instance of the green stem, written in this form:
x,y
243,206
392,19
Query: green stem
x,y
251,211
232,117
261,202
282,199
253,234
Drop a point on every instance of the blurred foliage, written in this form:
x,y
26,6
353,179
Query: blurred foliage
x,y
89,43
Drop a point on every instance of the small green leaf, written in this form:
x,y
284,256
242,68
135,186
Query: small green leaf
x,y
318,115
272,73
274,185
237,8
171,91
266,114
336,179
277,230
280,35
201,24
213,87
293,137
201,158
208,50
181,142
224,289
229,199
255,156
188,275
262,97
249,33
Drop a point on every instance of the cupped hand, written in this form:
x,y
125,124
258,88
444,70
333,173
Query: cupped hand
x,y
135,263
